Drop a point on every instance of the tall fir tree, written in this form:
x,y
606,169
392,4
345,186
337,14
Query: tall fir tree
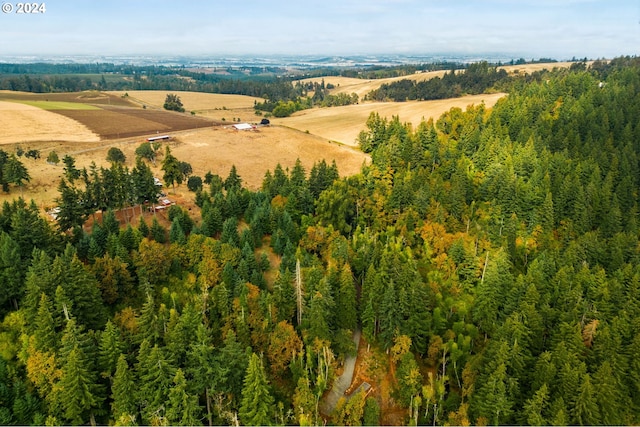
x,y
123,391
257,407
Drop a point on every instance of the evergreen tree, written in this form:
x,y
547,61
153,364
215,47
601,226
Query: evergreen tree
x,y
143,228
110,223
148,323
586,409
81,288
144,186
176,233
233,181
156,374
181,331
157,232
346,301
304,402
494,399
111,347
257,402
371,413
535,407
45,333
123,390
389,316
182,408
13,171
70,170
234,358
230,232
11,279
79,393
171,168
39,280
71,211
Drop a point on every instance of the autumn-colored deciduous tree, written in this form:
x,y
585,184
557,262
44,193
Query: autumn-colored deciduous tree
x,y
284,345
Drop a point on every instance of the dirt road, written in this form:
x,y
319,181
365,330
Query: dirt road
x,y
341,383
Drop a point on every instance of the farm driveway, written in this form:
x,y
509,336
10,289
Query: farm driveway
x,y
342,383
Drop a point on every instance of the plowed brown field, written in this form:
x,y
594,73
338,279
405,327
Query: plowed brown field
x,y
112,122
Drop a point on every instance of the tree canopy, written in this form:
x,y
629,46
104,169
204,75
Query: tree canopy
x,y
490,259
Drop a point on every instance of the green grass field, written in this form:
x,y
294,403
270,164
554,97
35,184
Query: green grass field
x,y
58,105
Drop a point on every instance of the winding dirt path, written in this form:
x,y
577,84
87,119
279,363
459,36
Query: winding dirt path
x,y
341,383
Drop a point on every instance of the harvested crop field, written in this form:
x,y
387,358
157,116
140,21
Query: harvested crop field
x,y
192,101
123,122
21,123
531,68
343,124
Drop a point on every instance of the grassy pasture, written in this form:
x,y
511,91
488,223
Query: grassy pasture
x,y
92,97
59,105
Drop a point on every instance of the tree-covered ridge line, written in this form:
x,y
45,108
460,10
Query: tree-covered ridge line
x,y
490,258
476,79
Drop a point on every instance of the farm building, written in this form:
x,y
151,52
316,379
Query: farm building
x,y
159,138
243,126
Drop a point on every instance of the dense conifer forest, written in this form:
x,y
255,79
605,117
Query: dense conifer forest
x,y
492,254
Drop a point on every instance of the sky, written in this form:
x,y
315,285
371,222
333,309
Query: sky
x,y
559,29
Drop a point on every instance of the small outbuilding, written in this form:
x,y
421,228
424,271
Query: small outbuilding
x,y
242,126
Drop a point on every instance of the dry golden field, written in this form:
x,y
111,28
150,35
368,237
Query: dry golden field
x,y
343,124
213,149
364,86
213,106
192,101
21,123
531,68
255,152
